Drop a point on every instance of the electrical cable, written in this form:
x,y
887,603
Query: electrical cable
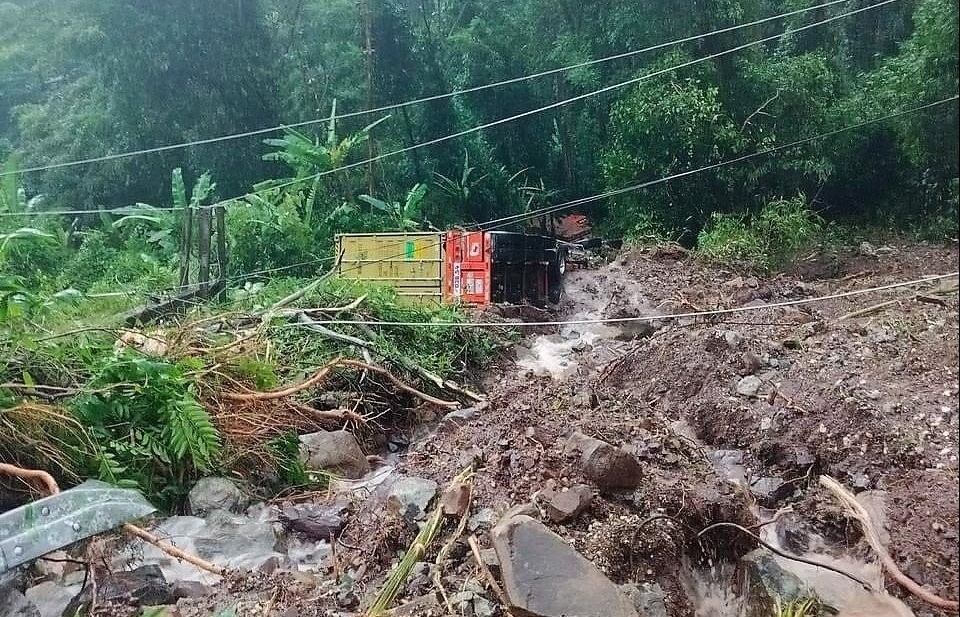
x,y
620,320
418,101
515,219
487,125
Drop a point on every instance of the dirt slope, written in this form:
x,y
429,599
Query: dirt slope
x,y
871,400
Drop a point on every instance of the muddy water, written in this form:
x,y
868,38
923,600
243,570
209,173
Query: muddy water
x,y
718,590
560,355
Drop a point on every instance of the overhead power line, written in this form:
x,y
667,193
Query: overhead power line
x,y
519,218
501,121
619,320
418,101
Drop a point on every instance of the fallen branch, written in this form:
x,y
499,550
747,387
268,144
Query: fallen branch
x,y
438,381
31,474
332,414
446,548
487,574
317,377
856,510
409,389
173,551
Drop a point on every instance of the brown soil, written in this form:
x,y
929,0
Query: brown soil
x,y
870,400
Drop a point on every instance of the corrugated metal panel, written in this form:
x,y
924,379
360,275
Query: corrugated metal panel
x,y
412,263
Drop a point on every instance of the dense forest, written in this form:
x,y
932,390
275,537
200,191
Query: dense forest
x,y
81,79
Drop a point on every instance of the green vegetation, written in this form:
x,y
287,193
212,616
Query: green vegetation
x,y
190,71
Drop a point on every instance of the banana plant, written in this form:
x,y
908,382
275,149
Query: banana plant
x,y
13,197
309,156
402,215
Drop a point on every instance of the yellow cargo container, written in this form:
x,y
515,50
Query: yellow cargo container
x,y
411,263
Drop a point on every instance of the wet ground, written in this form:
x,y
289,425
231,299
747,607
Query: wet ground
x,y
732,418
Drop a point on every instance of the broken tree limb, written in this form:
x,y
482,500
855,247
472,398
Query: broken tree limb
x,y
317,377
393,379
37,475
331,414
173,551
322,373
408,364
856,510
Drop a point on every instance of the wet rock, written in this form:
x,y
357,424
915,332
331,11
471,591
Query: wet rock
x,y
605,464
749,385
483,519
336,452
215,494
15,604
51,599
768,490
544,577
410,496
458,417
144,586
766,582
563,506
314,521
648,598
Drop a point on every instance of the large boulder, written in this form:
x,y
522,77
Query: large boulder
x,y
336,452
545,577
604,464
215,494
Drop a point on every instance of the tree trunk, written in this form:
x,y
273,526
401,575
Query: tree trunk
x,y
203,250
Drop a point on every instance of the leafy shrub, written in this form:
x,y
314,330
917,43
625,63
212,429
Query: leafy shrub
x,y
268,232
767,240
98,261
152,433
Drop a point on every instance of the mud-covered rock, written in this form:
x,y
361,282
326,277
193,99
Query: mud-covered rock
x,y
563,506
214,493
648,598
605,464
749,385
144,586
544,577
336,452
314,521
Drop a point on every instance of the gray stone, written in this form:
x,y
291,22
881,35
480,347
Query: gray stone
x,y
458,417
483,519
51,599
732,338
545,577
768,490
563,506
605,464
766,582
648,598
215,494
15,604
411,496
335,452
314,521
749,385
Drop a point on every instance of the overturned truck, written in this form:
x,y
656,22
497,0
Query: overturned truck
x,y
458,267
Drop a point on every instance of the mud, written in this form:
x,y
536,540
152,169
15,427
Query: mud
x,y
732,418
